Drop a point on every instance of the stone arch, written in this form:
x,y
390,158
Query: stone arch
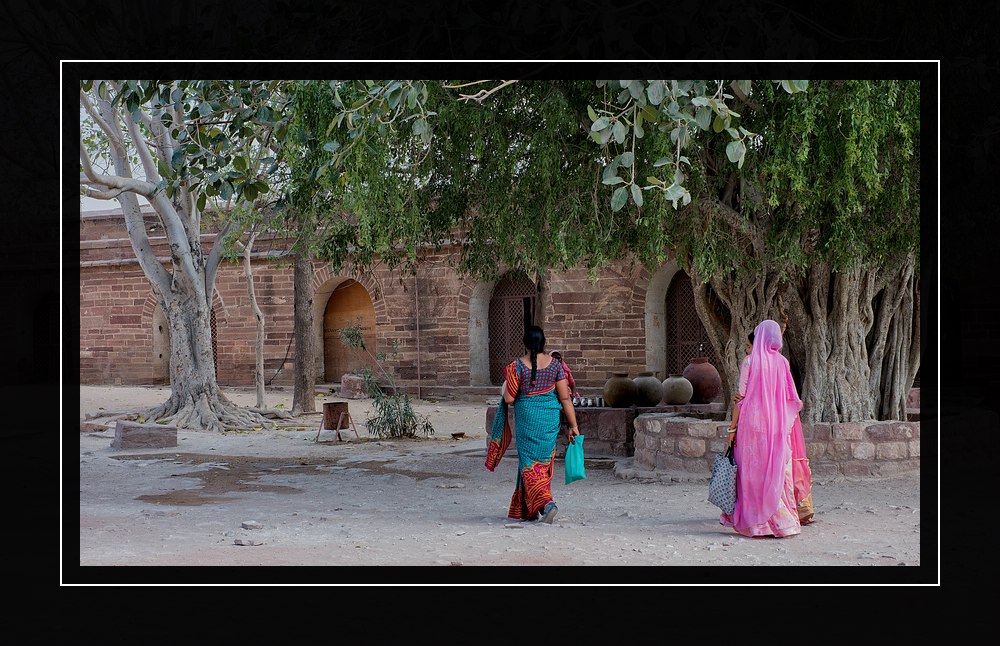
x,y
153,316
324,282
474,302
656,318
511,308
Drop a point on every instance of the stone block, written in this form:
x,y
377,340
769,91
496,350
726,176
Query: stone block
x,y
669,462
856,468
690,447
863,450
133,435
848,431
704,429
819,431
914,446
889,431
891,451
353,387
815,450
667,445
717,446
86,427
824,468
839,450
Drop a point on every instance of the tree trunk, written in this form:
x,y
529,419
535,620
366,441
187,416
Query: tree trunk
x,y
258,375
730,309
859,347
304,396
196,402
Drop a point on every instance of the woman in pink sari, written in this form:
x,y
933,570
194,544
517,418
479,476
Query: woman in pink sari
x,y
765,485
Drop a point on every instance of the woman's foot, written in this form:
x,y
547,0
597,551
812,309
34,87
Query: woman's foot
x,y
549,512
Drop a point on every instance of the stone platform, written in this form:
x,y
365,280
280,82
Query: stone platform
x,y
610,431
673,443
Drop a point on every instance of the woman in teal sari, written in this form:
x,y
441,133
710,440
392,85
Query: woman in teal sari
x,y
537,387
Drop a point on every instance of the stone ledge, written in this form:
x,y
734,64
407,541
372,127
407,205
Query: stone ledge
x,y
666,443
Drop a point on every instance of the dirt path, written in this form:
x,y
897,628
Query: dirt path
x,y
429,502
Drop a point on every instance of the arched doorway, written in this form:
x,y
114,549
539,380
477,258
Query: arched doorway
x,y
161,346
349,304
686,337
512,309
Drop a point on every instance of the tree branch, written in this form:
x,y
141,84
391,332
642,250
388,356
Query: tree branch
x,y
482,95
747,101
101,123
215,255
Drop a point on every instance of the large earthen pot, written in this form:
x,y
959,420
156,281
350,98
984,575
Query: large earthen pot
x,y
619,391
705,380
649,390
677,390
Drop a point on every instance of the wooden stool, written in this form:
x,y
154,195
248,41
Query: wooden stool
x,y
333,419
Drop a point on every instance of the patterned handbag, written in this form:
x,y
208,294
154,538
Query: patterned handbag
x,y
722,486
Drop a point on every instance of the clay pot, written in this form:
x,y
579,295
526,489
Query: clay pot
x,y
619,391
649,390
704,379
677,390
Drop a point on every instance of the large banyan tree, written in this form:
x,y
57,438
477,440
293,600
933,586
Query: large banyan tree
x,y
182,145
822,222
775,196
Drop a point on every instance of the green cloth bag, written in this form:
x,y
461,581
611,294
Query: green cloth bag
x,y
574,460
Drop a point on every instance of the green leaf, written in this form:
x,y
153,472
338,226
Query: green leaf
x,y
419,127
331,146
591,113
654,180
800,86
249,191
636,195
704,118
662,161
639,132
619,198
240,163
700,101
226,191
600,124
596,136
204,109
162,168
744,87
619,131
718,125
655,92
177,158
735,150
611,181
635,89
627,159
787,87
202,199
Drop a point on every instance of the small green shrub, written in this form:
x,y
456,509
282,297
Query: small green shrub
x,y
392,414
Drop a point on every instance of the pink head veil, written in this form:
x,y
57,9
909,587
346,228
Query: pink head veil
x,y
767,411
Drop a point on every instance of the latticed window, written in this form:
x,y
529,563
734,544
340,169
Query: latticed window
x,y
686,336
512,309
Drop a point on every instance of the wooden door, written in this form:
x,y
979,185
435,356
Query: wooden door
x,y
349,304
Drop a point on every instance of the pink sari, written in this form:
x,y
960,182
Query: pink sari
x,y
765,484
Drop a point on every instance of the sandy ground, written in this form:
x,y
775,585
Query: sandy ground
x,y
278,498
